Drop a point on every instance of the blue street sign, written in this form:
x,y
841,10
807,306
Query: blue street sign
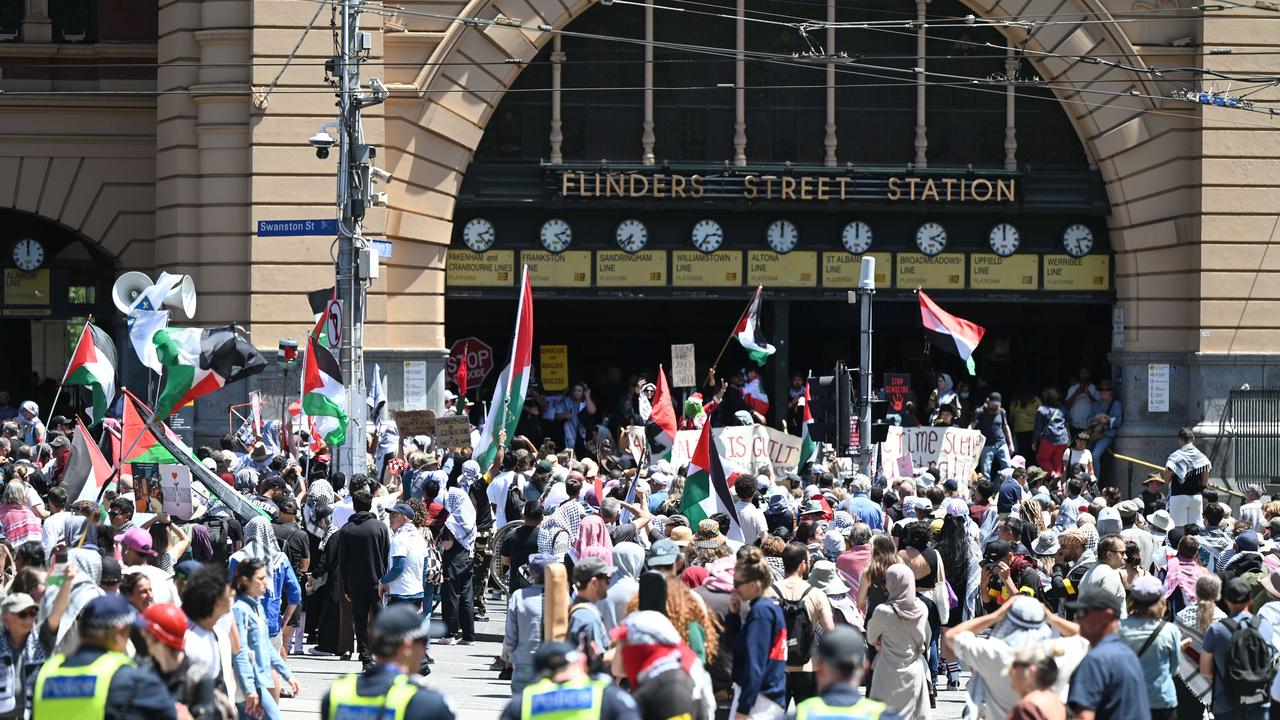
x,y
288,228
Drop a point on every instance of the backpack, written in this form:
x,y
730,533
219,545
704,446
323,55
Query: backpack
x,y
513,509
1249,667
799,627
218,537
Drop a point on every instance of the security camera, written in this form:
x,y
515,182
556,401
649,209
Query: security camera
x,y
322,141
380,175
380,91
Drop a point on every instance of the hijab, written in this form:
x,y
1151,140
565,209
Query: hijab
x,y
260,544
593,540
201,544
462,518
566,518
901,583
247,480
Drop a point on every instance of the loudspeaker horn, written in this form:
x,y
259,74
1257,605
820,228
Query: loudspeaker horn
x,y
183,297
128,288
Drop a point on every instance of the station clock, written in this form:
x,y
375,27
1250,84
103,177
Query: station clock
x,y
1004,239
1077,240
28,254
631,235
478,235
707,235
555,235
856,237
931,238
782,236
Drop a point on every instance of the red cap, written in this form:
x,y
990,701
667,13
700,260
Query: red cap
x,y
168,623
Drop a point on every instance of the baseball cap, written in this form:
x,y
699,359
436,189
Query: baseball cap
x,y
186,569
138,540
843,647
107,611
168,623
590,567
994,397
1237,590
277,483
552,656
111,573
397,623
1247,541
996,551
1146,589
17,602
404,509
1096,599
662,554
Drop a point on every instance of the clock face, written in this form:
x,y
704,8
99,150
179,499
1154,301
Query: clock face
x,y
1078,240
28,254
856,237
782,236
631,235
555,235
707,236
931,238
478,234
1004,239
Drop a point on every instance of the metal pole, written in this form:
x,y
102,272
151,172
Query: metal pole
x,y
866,291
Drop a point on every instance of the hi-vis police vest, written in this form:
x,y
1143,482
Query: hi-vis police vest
x,y
575,700
74,692
816,709
346,704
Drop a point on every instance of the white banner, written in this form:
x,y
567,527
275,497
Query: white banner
x,y
954,451
745,449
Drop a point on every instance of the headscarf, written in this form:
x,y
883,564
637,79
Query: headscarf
x,y
720,575
84,587
832,545
462,518
593,540
320,495
76,532
694,576
247,480
842,522
201,544
470,474
566,518
901,582
260,544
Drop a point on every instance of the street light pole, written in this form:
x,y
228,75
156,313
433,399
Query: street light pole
x,y
866,291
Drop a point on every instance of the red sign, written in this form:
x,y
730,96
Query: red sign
x,y
479,360
897,389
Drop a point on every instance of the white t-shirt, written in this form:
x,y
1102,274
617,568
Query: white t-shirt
x,y
54,528
408,543
342,512
1071,456
497,491
33,498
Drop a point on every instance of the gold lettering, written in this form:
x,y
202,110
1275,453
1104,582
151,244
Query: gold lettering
x,y
582,186
677,186
843,181
614,186
696,182
895,192
822,189
751,184
644,185
597,188
1004,190
806,188
948,182
912,183
964,186
566,184
659,184
986,184
788,188
768,187
929,189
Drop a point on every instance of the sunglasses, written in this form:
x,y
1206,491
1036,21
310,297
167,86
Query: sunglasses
x,y
115,513
28,614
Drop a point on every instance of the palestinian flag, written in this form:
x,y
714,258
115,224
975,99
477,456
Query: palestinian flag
x,y
199,361
93,365
808,448
706,489
323,396
87,470
137,442
513,383
661,427
948,332
749,334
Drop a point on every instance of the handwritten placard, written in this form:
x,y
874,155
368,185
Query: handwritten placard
x,y
495,268
690,268
683,373
795,269
415,422
175,486
571,268
616,268
944,271
453,431
988,271
842,270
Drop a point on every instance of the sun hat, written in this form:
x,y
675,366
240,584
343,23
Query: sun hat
x,y
1046,543
681,535
824,576
1161,520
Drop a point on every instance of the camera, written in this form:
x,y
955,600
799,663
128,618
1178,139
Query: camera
x,y
322,141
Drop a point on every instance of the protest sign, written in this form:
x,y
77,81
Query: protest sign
x,y
897,390
682,366
744,449
175,484
954,451
453,431
415,422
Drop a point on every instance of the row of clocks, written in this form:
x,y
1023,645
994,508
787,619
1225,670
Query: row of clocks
x,y
782,236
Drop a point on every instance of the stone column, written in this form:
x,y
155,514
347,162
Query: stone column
x,y
646,137
829,142
922,139
1010,115
36,25
740,90
557,137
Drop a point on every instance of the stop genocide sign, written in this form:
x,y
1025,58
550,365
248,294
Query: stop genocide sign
x,y
479,360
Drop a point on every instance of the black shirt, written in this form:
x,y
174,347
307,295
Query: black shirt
x,y
991,425
293,543
484,511
518,545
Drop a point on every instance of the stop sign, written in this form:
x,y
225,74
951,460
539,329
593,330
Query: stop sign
x,y
479,359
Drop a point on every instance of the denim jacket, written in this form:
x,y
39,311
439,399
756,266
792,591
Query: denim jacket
x,y
253,669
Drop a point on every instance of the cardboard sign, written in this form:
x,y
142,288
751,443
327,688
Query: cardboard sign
x,y
554,361
453,431
897,390
415,422
744,449
954,451
683,372
175,488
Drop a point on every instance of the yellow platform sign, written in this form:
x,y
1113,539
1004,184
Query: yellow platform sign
x,y
842,270
571,268
26,288
944,272
495,268
988,271
795,269
690,268
616,268
1088,273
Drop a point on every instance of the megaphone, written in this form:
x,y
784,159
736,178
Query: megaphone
x,y
183,297
128,288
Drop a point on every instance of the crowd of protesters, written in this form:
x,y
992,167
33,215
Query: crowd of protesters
x,y
818,592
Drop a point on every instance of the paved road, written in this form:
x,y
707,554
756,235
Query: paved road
x,y
462,673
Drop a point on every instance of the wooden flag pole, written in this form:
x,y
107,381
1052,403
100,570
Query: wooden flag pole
x,y
58,393
716,362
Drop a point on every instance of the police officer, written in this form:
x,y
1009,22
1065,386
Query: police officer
x,y
398,641
839,664
567,692
98,680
